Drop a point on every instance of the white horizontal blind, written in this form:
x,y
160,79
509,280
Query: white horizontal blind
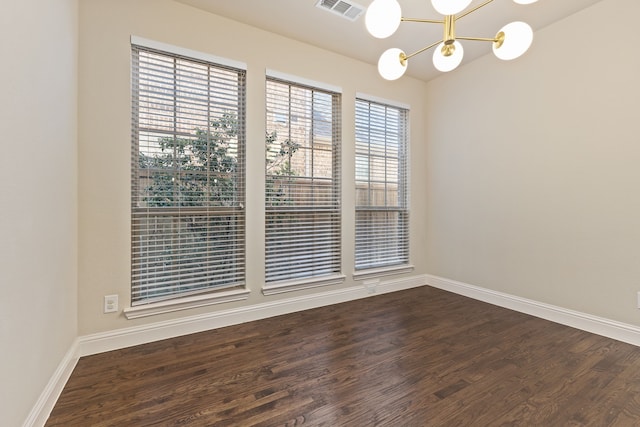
x,y
302,182
188,219
382,208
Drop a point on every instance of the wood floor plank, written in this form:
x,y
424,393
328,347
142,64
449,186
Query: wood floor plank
x,y
421,357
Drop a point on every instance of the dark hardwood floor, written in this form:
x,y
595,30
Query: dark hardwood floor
x,y
421,357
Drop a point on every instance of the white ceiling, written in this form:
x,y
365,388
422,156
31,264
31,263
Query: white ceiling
x,y
302,20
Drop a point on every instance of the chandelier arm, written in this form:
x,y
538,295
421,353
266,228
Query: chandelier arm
x,y
424,21
422,50
478,39
473,10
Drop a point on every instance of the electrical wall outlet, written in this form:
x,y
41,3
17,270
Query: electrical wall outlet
x,y
110,303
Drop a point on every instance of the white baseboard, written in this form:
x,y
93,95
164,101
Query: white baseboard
x,y
586,322
127,337
47,400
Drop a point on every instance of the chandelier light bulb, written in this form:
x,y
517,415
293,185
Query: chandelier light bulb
x,y
391,66
383,18
447,63
450,7
525,1
514,40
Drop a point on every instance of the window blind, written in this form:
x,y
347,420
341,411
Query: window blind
x,y
382,205
302,224
187,204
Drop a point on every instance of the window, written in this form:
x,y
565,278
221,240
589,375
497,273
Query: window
x,y
382,211
187,213
302,203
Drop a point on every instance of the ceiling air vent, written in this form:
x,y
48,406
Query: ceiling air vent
x,y
348,10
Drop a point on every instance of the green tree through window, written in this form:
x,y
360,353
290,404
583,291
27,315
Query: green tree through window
x,y
195,171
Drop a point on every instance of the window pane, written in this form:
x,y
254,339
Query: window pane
x,y
302,222
382,211
187,176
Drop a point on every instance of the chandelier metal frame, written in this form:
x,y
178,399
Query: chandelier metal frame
x,y
393,62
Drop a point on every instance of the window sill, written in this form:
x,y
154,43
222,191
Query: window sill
x,y
384,271
296,285
185,303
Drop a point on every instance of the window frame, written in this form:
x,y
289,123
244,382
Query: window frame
x,y
365,267
205,295
275,284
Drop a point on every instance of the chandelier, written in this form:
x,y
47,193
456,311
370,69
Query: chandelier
x,y
383,18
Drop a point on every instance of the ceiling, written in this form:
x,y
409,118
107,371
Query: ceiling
x,y
302,20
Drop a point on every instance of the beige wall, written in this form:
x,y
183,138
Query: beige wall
x,y
38,179
105,137
534,176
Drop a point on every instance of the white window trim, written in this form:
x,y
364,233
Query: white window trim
x,y
185,303
377,99
296,285
238,291
193,54
383,271
302,81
